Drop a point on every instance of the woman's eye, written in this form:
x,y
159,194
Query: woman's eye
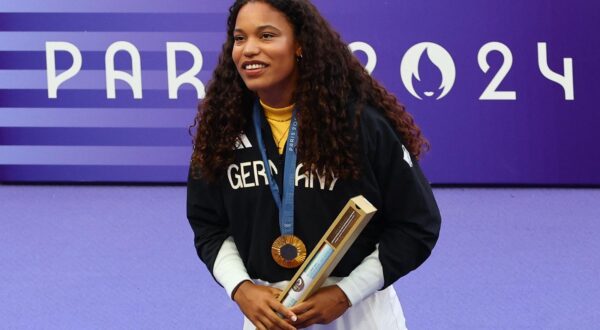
x,y
238,38
267,36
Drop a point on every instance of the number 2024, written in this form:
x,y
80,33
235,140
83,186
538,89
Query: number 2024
x,y
491,92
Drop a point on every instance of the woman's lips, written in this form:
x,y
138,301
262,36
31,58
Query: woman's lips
x,y
254,71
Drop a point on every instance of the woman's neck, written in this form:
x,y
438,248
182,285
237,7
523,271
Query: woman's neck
x,y
278,114
278,97
275,102
275,105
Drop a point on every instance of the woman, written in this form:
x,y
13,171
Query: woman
x,y
287,87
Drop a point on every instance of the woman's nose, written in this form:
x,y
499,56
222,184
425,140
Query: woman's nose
x,y
251,47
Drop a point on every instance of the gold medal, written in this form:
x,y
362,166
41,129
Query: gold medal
x,y
288,251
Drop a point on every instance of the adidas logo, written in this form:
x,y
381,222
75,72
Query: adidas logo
x,y
242,142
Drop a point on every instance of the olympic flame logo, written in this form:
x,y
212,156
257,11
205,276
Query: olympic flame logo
x,y
439,57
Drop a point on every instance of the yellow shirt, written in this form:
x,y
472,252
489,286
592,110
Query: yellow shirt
x,y
279,119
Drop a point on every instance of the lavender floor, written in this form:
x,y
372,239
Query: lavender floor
x,y
89,257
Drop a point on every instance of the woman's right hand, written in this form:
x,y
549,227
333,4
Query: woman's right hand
x,y
260,305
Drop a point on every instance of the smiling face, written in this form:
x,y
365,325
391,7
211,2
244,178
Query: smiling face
x,y
265,51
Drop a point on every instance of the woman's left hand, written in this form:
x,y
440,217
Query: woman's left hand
x,y
324,306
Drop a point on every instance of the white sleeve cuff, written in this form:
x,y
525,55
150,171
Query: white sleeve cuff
x,y
229,269
364,280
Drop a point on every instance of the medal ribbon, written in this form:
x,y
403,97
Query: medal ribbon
x,y
285,203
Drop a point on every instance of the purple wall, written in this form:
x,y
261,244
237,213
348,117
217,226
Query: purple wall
x,y
535,131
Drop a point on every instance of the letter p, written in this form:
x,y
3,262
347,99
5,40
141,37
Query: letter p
x,y
54,80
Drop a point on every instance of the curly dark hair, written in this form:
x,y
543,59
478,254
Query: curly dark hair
x,y
330,80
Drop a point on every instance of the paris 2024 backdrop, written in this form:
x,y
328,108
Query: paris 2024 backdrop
x,y
104,91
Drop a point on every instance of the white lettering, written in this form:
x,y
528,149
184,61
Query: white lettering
x,y
491,92
566,81
231,176
260,172
246,175
54,81
241,175
273,168
409,69
368,50
332,185
188,77
321,180
134,79
301,177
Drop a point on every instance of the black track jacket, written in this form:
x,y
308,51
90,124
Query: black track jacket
x,y
240,204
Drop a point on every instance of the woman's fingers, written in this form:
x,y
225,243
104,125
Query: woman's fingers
x,y
259,325
302,307
277,321
307,319
324,306
306,314
286,313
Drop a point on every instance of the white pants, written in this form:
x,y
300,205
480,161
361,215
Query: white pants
x,y
381,310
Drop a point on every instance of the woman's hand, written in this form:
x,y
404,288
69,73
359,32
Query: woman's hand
x,y
260,305
326,305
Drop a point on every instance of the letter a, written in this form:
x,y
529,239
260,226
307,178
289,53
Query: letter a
x,y
134,79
